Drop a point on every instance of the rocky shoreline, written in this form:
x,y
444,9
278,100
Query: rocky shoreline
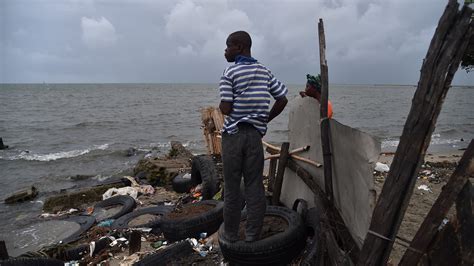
x,y
158,173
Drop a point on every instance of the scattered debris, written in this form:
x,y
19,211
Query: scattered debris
x,y
425,188
381,167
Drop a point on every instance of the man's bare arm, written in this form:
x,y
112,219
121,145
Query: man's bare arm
x,y
277,108
226,107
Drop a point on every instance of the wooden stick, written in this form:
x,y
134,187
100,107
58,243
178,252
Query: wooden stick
x,y
299,158
273,156
441,63
304,148
325,134
281,171
270,146
296,157
297,150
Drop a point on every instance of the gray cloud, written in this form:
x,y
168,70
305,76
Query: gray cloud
x,y
368,41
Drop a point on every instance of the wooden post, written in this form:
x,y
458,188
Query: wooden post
x,y
284,154
271,174
448,195
442,60
135,242
325,134
465,217
3,251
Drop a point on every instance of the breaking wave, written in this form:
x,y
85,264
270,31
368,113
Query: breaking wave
x,y
25,155
435,140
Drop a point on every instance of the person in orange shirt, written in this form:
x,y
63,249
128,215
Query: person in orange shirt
x,y
313,89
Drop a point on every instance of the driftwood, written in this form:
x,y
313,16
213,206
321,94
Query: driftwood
x,y
325,131
440,208
280,173
442,60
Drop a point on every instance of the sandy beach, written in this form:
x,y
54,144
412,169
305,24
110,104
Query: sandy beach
x,y
433,175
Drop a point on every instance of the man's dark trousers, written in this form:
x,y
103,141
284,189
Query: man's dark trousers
x,y
242,155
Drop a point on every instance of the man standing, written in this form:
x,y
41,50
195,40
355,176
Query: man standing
x,y
245,90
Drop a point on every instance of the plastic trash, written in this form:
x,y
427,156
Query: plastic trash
x,y
157,244
203,235
187,176
106,223
381,167
131,191
425,188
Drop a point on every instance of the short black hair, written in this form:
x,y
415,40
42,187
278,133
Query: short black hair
x,y
241,37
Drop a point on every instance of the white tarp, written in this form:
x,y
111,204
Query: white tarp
x,y
354,155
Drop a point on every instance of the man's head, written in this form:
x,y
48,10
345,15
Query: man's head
x,y
313,86
238,43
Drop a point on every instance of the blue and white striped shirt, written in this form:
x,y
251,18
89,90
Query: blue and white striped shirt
x,y
248,85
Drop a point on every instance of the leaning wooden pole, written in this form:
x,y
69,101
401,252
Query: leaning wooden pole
x,y
442,60
433,220
325,134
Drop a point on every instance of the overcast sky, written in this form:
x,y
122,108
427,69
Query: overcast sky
x,y
88,41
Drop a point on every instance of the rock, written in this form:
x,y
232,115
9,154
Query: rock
x,y
69,200
179,151
22,195
131,152
2,147
162,170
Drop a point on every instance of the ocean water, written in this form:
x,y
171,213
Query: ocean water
x,y
58,131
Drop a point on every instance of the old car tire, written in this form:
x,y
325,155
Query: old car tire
x,y
181,228
277,249
181,184
310,255
85,223
167,255
203,171
158,211
31,262
127,202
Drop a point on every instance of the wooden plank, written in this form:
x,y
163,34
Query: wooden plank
x,y
271,174
442,60
438,212
325,133
284,155
465,216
